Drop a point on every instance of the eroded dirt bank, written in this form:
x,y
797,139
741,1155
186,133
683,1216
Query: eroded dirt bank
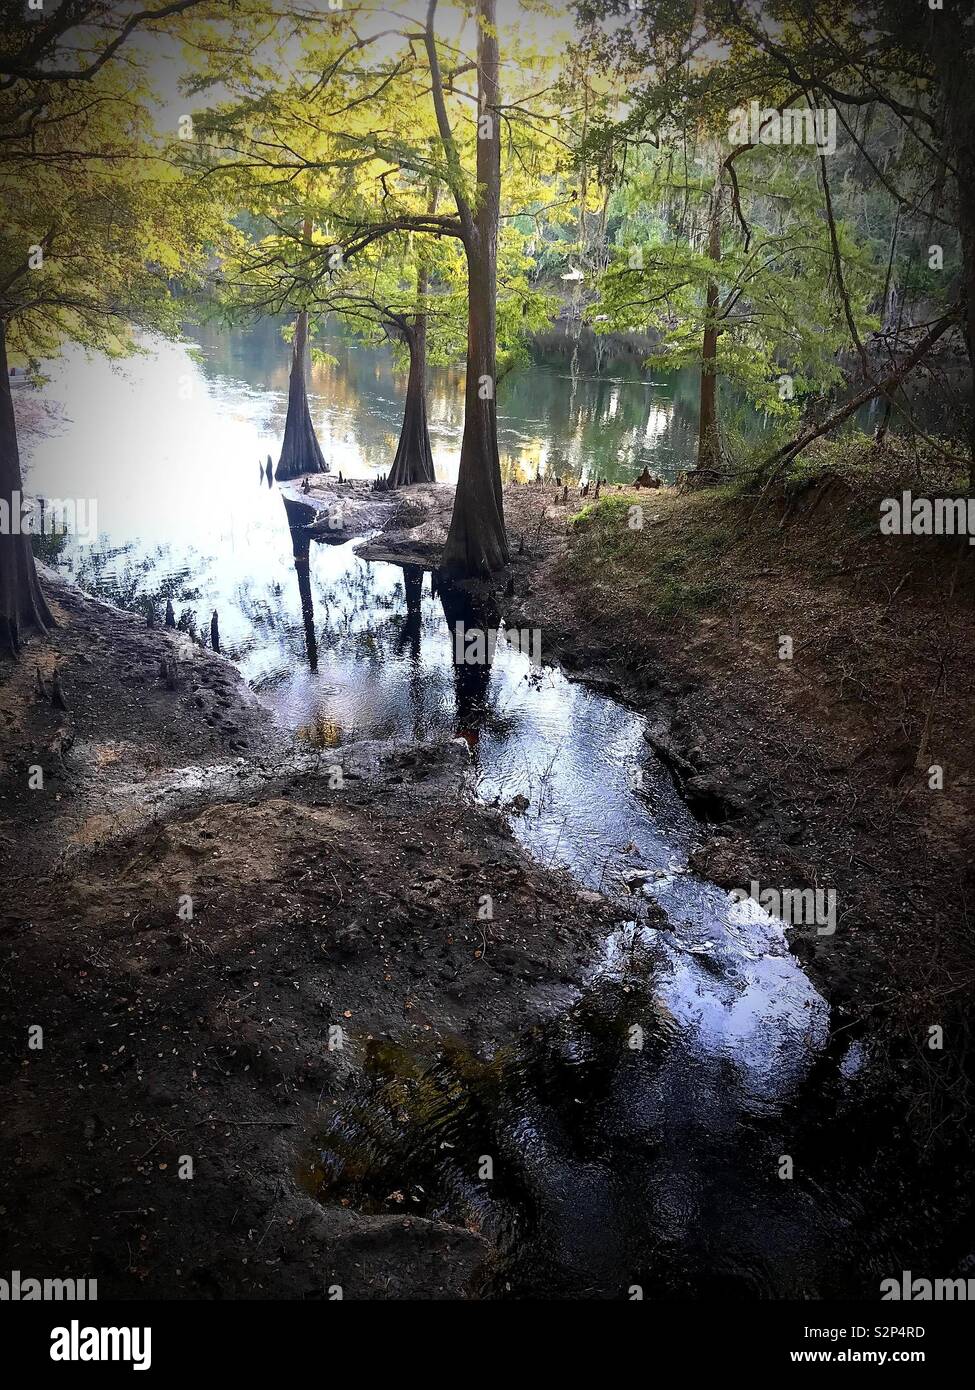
x,y
848,764
212,1037
812,770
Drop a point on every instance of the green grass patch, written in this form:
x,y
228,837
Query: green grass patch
x,y
671,567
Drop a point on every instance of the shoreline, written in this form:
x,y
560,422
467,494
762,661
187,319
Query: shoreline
x,y
316,907
166,1036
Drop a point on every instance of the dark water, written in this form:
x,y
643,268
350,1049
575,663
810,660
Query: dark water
x,y
619,1172
615,1165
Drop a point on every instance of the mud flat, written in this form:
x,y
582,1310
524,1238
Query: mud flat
x,y
212,933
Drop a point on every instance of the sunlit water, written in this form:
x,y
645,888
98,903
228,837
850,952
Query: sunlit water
x,y
671,1164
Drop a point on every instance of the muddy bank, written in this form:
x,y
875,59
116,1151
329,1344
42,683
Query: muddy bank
x,y
408,526
333,511
210,959
411,522
245,962
137,704
802,771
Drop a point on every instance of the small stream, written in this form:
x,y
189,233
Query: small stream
x,y
685,1124
640,1133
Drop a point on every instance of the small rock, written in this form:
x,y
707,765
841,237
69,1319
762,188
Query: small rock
x,y
585,895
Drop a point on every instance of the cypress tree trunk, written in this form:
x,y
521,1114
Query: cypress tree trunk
x,y
414,458
477,544
300,451
708,445
23,608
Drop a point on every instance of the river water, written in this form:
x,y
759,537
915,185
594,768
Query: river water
x,y
686,1122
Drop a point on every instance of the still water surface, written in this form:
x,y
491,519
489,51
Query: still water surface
x,y
169,445
658,1166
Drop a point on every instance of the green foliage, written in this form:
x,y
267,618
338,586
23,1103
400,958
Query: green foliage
x,y
779,315
101,233
316,179
346,191
789,302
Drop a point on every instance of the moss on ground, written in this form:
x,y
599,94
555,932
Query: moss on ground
x,y
669,567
